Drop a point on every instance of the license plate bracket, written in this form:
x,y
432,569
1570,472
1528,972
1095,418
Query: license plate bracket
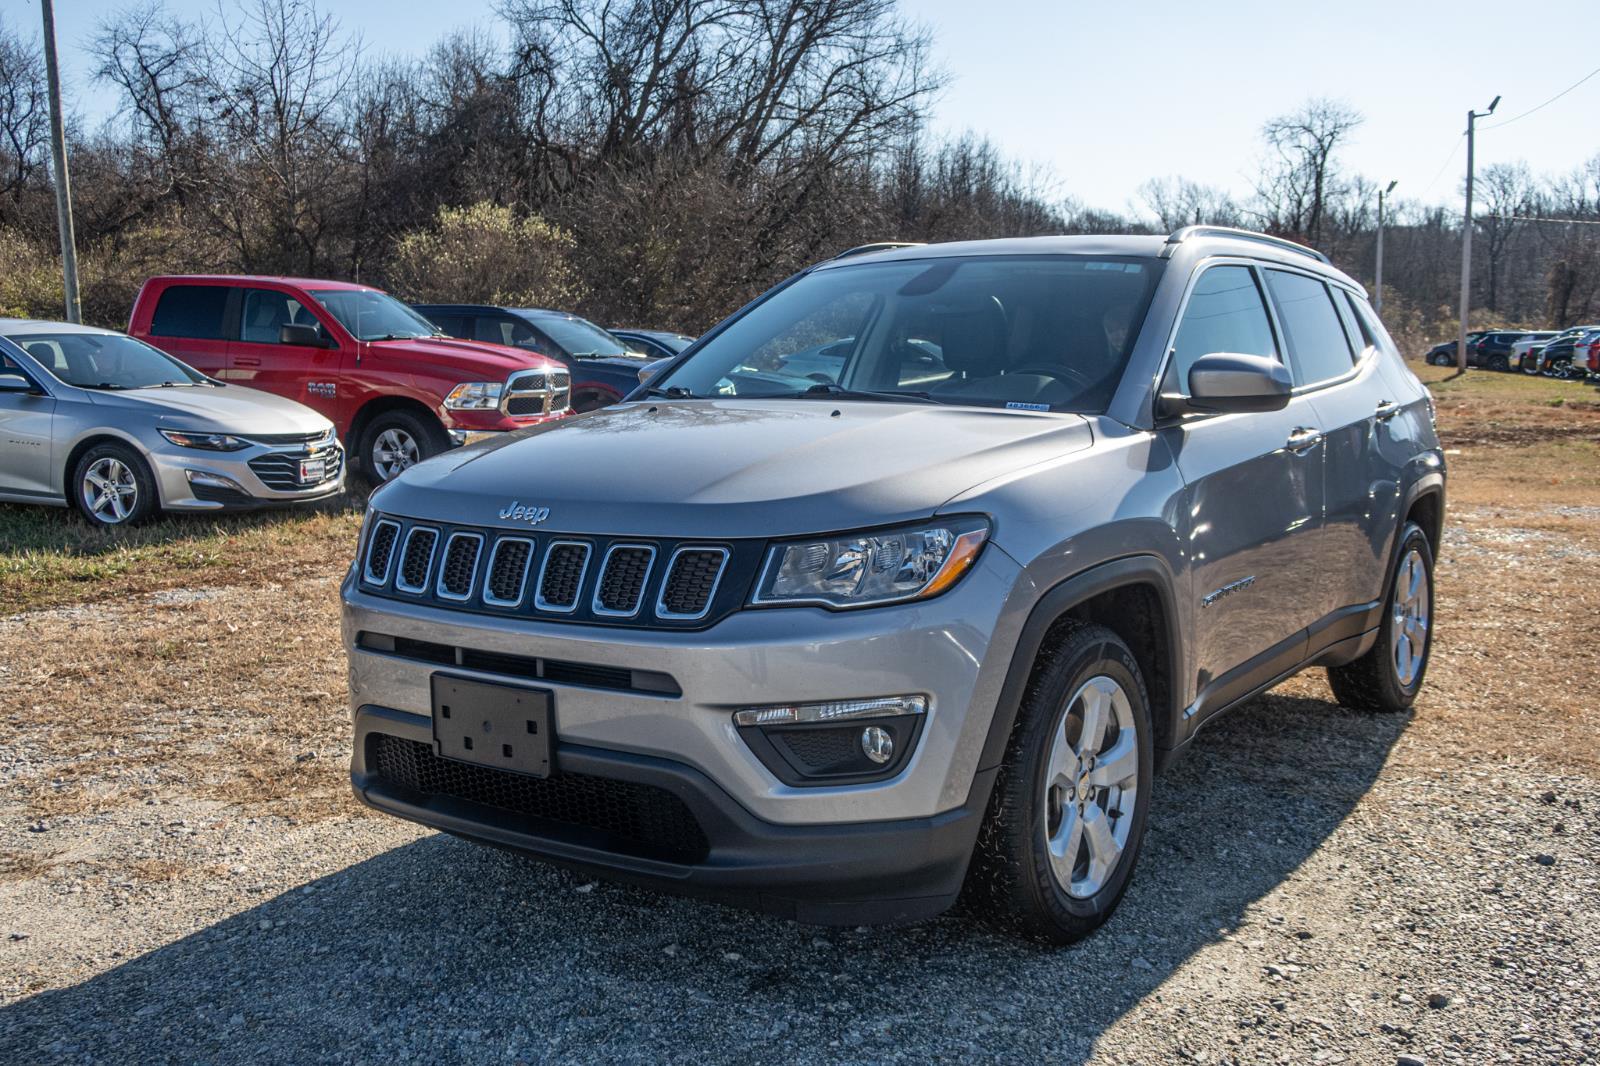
x,y
505,727
313,470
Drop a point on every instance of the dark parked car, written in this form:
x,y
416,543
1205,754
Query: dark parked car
x,y
1556,358
1444,353
604,369
657,344
1492,351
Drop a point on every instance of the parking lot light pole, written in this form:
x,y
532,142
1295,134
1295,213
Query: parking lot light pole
x,y
58,164
1377,282
1466,237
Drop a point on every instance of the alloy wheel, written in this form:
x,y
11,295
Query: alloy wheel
x,y
1409,617
393,452
1090,787
110,491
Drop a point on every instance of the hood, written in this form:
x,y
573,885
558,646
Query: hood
x,y
230,409
732,468
493,361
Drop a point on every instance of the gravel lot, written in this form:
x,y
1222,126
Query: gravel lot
x,y
1318,886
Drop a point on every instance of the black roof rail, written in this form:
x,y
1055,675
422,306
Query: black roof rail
x,y
879,246
1186,232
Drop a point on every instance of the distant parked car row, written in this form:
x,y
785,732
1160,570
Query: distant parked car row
x,y
232,392
1569,353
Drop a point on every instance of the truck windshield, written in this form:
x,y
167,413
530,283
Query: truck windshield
x,y
1037,332
370,315
106,361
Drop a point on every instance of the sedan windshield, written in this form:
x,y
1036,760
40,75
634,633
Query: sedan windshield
x,y
106,361
578,336
1027,332
370,315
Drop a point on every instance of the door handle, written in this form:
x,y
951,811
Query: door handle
x,y
246,361
1387,409
1303,439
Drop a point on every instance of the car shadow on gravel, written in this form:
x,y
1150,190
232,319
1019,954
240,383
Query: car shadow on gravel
x,y
444,951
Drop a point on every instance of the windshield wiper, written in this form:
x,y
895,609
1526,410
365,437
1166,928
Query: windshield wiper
x,y
673,392
830,390
103,385
398,337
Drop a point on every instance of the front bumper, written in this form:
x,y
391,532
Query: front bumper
x,y
864,872
191,479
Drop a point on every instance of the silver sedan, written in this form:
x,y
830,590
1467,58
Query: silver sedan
x,y
93,419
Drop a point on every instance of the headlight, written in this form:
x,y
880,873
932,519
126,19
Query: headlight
x,y
211,442
874,567
474,396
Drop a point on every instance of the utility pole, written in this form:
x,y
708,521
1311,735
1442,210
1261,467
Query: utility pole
x,y
1466,238
1377,284
58,162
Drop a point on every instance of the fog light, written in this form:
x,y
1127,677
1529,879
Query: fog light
x,y
214,481
836,711
877,744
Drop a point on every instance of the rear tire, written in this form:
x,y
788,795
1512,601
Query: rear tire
x,y
395,441
1064,825
1388,677
112,486
1500,363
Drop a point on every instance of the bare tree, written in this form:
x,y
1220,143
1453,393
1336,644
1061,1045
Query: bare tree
x,y
24,122
1176,202
1301,175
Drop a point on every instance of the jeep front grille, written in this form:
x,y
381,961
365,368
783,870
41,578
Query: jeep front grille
x,y
607,581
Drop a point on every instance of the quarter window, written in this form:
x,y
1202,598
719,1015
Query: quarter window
x,y
195,311
1225,313
1318,348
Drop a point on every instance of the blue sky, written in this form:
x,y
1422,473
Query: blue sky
x,y
1101,96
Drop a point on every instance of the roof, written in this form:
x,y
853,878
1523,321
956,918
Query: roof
x,y
10,326
234,279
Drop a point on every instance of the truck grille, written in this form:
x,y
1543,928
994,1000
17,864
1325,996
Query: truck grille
x,y
559,577
619,816
537,392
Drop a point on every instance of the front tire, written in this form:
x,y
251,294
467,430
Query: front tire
x,y
1067,816
1389,676
395,441
112,486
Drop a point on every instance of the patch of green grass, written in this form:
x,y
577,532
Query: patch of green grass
x,y
1496,387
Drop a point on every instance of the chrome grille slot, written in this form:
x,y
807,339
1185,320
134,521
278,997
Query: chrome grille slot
x,y
281,470
507,578
536,392
417,559
691,582
458,572
380,551
565,562
620,589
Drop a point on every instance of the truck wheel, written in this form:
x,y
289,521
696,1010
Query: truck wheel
x,y
1389,675
396,440
1064,825
112,486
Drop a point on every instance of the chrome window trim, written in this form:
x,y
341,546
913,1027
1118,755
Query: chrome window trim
x,y
399,582
472,581
583,573
522,582
661,595
596,607
394,553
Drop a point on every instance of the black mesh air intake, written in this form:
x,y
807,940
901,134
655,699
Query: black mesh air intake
x,y
622,584
691,581
417,560
508,571
563,572
620,816
460,564
381,551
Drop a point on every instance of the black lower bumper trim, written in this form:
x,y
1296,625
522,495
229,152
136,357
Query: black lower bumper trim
x,y
840,874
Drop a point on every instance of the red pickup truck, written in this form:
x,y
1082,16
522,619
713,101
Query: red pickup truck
x,y
397,390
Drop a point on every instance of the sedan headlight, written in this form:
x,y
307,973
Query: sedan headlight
x,y
475,396
873,567
210,442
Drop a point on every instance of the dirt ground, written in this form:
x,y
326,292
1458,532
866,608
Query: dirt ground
x,y
184,877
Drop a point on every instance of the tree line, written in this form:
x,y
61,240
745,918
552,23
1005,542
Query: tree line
x,y
653,162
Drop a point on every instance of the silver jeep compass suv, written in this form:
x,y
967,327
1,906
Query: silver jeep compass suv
x,y
905,580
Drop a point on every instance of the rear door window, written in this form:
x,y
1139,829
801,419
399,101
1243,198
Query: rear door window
x,y
197,311
1318,348
1225,313
506,330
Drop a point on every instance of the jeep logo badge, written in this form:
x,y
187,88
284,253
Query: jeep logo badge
x,y
518,512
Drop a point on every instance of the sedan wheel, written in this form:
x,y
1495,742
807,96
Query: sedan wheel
x,y
110,491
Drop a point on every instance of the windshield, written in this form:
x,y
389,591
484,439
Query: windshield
x,y
1028,332
107,361
578,336
370,315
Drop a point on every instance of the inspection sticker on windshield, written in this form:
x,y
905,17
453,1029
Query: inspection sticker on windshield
x,y
1013,405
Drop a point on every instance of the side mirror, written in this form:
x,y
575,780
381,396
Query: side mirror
x,y
303,335
12,382
650,370
1228,382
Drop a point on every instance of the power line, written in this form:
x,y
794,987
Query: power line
x,y
1547,103
1563,221
1442,169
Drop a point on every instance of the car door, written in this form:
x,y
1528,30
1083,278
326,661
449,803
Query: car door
x,y
26,423
257,357
1252,506
190,322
